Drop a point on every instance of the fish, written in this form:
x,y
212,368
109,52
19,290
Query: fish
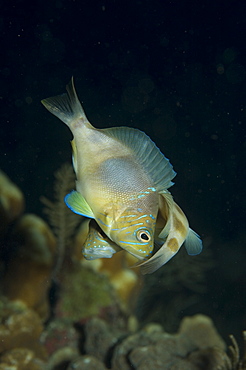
x,y
122,182
97,244
172,231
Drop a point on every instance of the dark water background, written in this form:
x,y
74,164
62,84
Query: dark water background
x,y
175,69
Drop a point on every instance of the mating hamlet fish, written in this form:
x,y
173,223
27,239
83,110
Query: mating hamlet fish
x,y
122,183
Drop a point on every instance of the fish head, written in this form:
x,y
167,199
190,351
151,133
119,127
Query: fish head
x,y
133,231
97,244
129,221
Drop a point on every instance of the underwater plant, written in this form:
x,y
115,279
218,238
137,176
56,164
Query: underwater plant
x,y
236,362
61,219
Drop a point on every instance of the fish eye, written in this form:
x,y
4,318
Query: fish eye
x,y
143,236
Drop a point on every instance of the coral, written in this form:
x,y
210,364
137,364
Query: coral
x,y
92,326
100,338
21,359
196,346
20,327
11,202
61,358
87,363
32,262
59,334
126,281
198,332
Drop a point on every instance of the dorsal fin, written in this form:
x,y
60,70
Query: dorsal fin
x,y
156,165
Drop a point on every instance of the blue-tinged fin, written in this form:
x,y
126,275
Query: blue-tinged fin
x,y
77,203
156,165
193,243
66,106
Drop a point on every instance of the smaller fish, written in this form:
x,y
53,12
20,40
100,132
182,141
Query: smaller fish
x,y
97,244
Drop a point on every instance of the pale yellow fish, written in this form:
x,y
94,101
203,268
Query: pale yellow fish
x,y
122,181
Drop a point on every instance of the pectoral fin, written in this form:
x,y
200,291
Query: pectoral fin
x,y
77,203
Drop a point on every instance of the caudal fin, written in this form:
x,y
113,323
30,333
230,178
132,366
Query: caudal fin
x,y
66,106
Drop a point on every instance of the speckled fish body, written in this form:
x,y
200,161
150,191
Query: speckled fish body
x,y
122,180
97,244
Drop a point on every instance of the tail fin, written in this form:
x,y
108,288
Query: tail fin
x,y
66,106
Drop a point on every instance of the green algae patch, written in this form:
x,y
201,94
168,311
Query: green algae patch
x,y
84,293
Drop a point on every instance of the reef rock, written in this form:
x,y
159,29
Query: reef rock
x,y
196,346
87,363
20,327
99,338
21,359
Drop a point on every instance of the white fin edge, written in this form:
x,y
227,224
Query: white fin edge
x,y
193,243
155,164
77,203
